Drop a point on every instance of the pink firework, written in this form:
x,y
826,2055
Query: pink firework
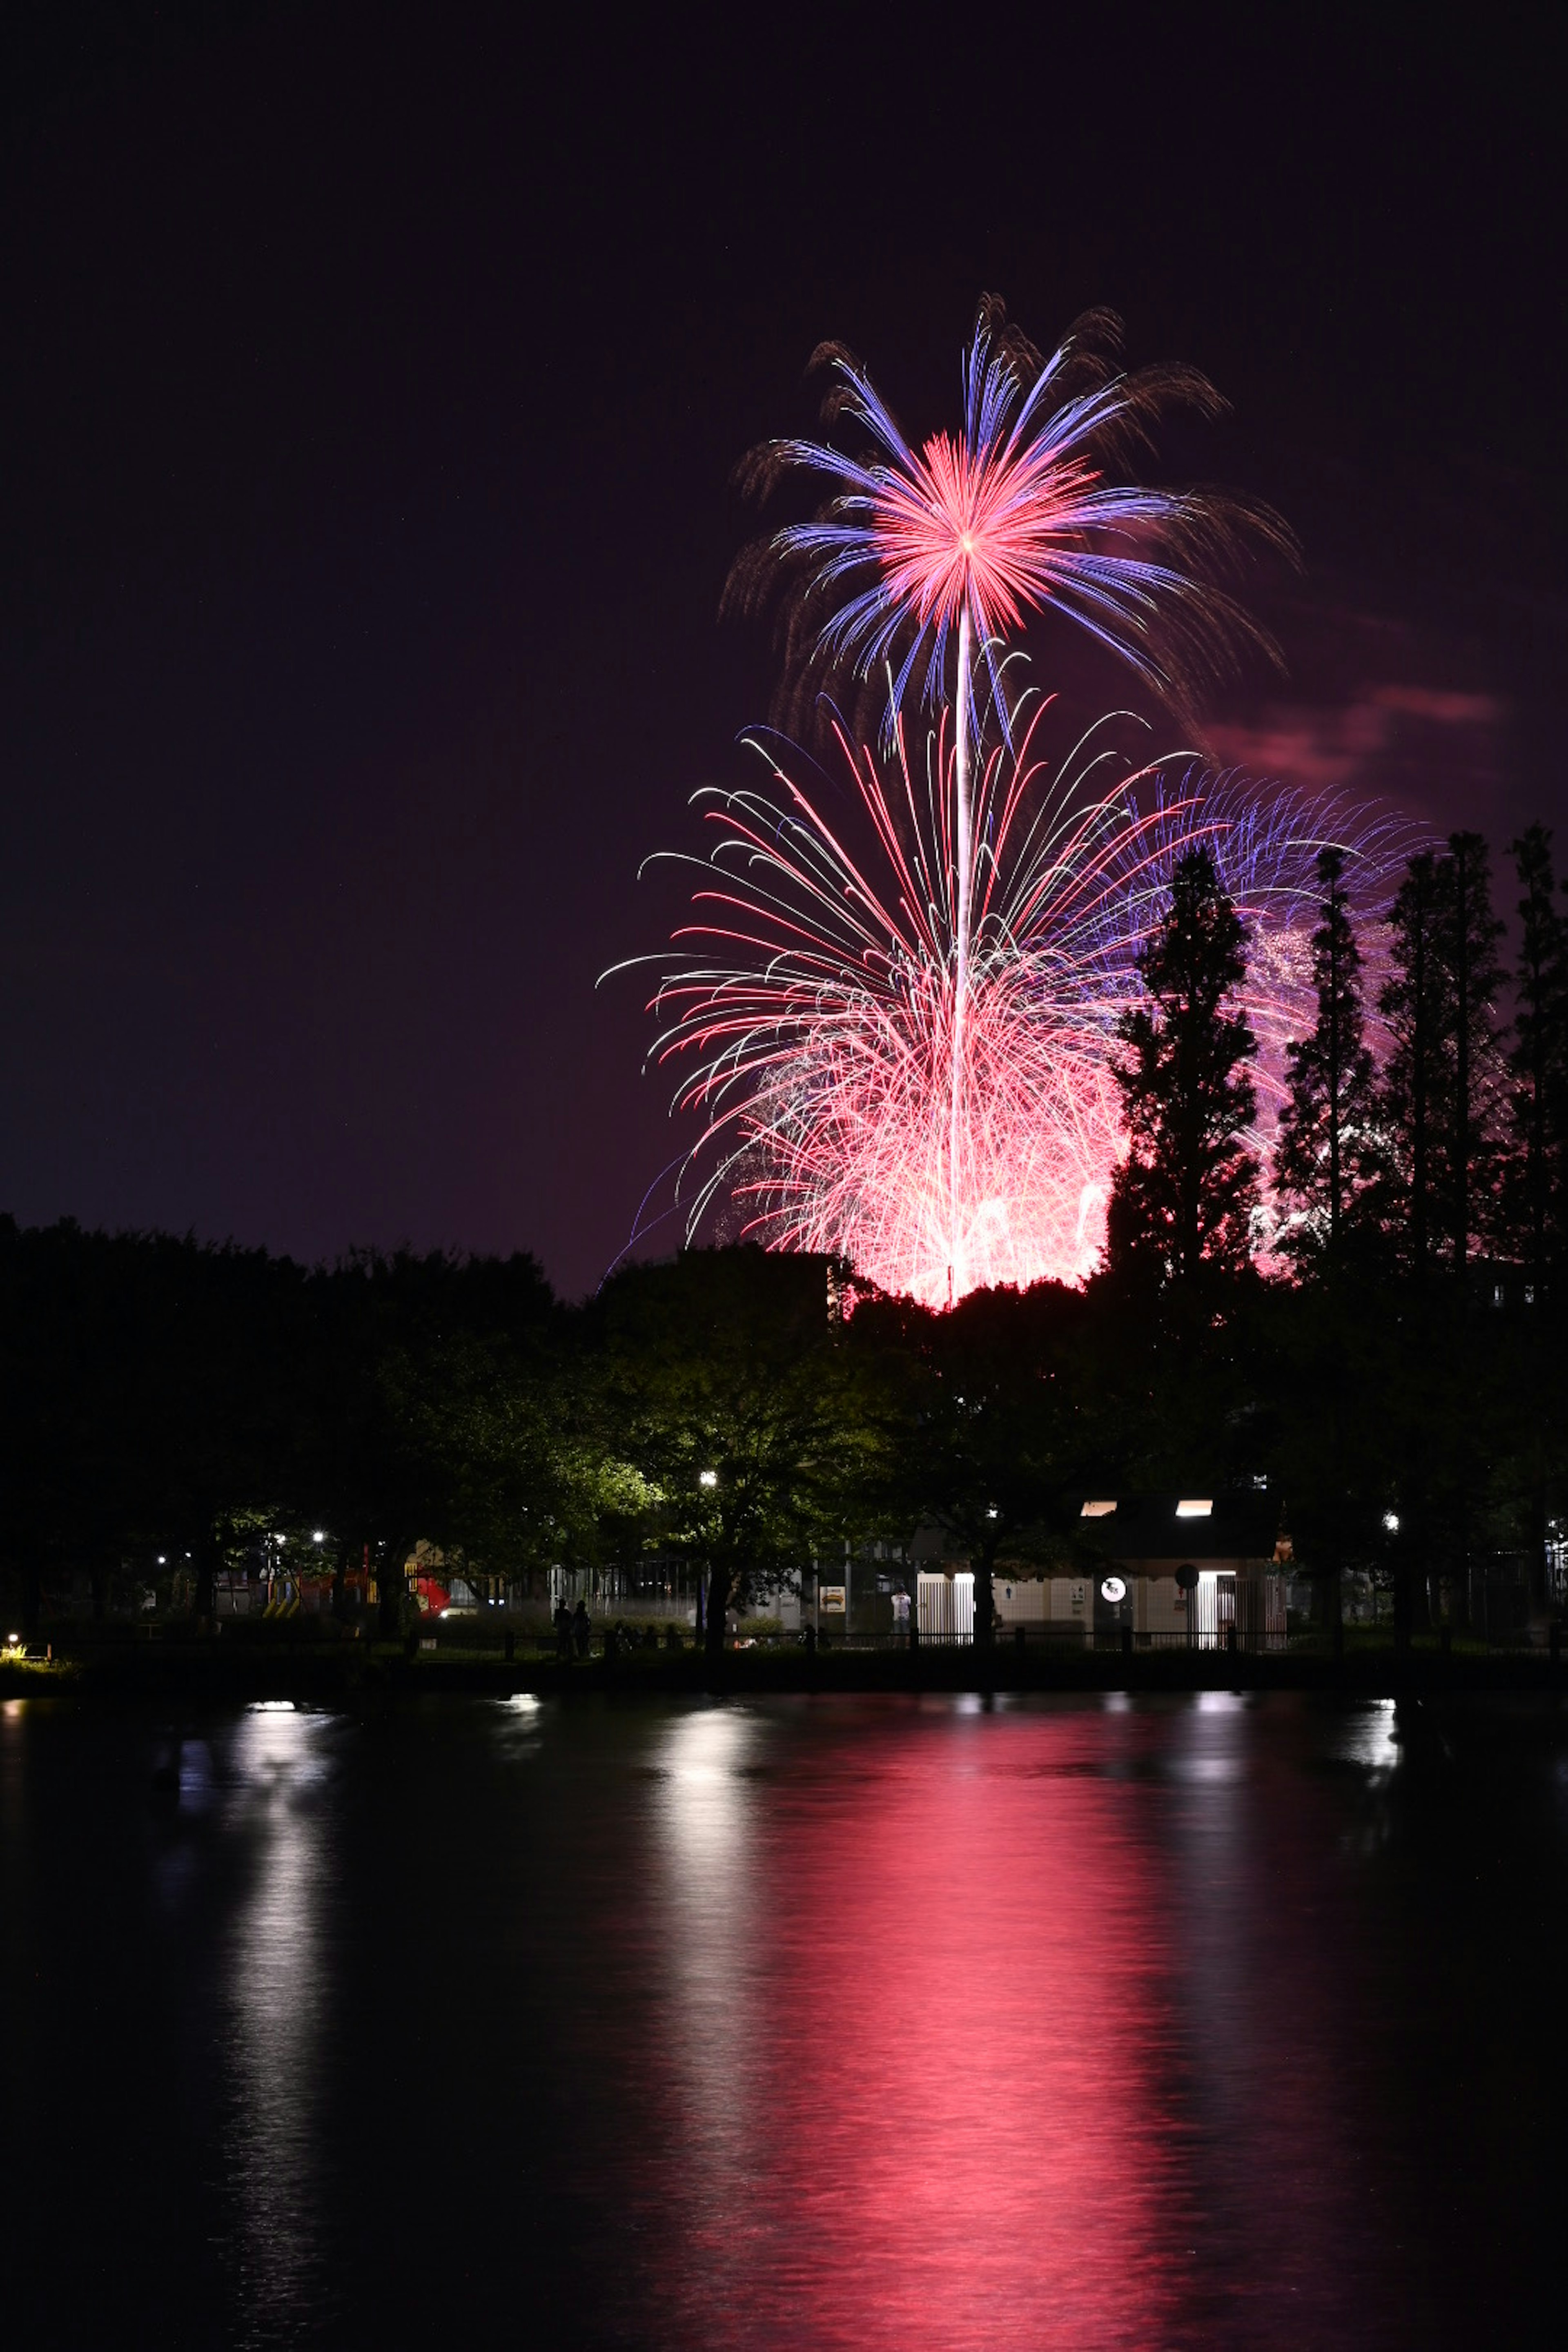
x,y
1017,513
964,528
815,998
959,538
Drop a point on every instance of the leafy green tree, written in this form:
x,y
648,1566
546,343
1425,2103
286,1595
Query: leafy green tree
x,y
1182,1202
424,1410
143,1401
747,1410
1328,1157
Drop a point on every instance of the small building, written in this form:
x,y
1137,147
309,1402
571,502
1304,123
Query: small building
x,y
1199,1567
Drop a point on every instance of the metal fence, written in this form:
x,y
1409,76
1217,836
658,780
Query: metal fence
x,y
1071,1639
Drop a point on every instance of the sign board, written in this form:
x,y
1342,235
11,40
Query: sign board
x,y
830,1600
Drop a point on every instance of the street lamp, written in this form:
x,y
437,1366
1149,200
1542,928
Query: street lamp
x,y
1391,1521
708,1477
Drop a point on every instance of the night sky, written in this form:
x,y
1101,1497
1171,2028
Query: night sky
x,y
372,384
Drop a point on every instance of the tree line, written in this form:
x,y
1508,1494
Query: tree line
x,y
1419,1211
1392,1370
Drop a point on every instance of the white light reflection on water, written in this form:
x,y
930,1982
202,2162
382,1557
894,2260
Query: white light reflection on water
x,y
703,1807
1369,1735
518,1722
276,1987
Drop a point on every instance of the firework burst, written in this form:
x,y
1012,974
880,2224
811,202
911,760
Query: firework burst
x,y
814,998
896,1008
958,540
963,537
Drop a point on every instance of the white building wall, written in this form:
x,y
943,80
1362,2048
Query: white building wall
x,y
1023,1600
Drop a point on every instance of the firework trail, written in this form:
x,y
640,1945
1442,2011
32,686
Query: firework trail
x,y
957,540
814,999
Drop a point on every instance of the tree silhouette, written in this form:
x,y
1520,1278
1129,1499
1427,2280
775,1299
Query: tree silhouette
x,y
1468,935
1539,1062
1327,1158
1444,1078
1182,1202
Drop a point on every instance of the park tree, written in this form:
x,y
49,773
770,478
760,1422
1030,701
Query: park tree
x,y
1444,1077
1534,1179
1008,1428
1327,1157
1411,1004
1539,1064
1327,1162
424,1410
143,1387
1443,1098
1182,1202
1468,935
746,1408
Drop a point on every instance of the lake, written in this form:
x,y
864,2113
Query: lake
x,y
893,2022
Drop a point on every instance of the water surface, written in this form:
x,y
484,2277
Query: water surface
x,y
878,2023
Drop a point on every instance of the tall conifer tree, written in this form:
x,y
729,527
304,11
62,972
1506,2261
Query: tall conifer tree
x,y
1182,1199
1539,1061
1444,1088
1327,1156
1412,1003
1467,936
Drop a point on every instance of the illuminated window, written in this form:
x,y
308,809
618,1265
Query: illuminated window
x,y
1196,1509
1096,1510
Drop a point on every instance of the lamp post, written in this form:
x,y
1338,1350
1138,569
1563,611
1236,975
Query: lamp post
x,y
707,1480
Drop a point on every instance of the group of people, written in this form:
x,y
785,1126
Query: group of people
x,y
572,1630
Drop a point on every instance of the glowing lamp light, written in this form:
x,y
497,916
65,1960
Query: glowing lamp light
x,y
1097,1511
1113,1590
708,1477
1195,1508
320,1535
1391,1521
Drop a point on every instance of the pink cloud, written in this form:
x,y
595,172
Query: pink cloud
x,y
1376,742
1443,709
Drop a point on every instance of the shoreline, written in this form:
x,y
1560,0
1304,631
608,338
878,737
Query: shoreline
x,y
323,1675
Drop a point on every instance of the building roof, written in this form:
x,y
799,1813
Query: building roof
x,y
1242,1525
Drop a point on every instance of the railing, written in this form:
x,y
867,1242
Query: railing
x,y
1075,1640
1540,1641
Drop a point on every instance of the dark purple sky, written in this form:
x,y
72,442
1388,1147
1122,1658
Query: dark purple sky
x,y
370,393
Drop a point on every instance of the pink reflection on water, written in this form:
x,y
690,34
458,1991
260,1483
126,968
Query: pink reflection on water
x,y
943,2119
